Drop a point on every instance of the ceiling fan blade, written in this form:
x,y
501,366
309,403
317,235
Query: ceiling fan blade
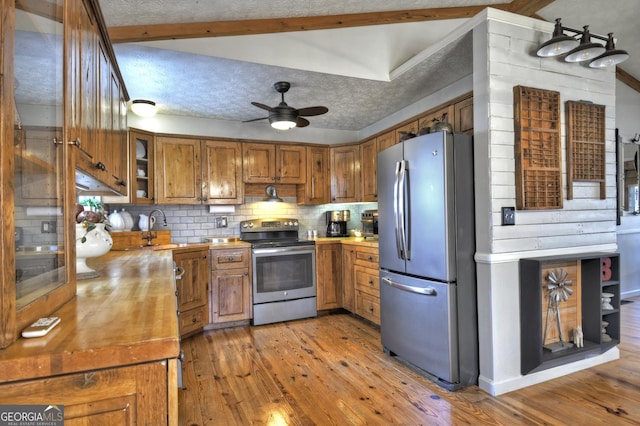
x,y
255,119
311,111
302,122
263,106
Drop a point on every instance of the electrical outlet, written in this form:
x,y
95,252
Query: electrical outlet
x,y
508,216
48,227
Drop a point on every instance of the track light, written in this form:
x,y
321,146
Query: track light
x,y
612,56
584,49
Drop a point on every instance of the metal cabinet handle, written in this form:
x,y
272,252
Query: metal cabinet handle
x,y
76,142
179,272
427,291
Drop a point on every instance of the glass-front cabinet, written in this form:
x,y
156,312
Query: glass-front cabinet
x,y
39,265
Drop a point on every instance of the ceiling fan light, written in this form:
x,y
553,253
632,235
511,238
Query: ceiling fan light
x,y
559,44
282,124
612,56
143,108
586,49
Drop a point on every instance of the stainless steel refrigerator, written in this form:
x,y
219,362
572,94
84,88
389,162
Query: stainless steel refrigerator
x,y
426,231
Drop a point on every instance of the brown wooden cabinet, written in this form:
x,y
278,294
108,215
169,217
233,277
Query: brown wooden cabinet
x,y
141,149
369,172
367,283
274,163
345,174
192,289
193,171
463,116
98,96
317,189
329,275
230,285
348,284
427,119
136,394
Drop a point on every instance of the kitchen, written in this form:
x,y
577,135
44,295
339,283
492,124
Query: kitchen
x,y
498,342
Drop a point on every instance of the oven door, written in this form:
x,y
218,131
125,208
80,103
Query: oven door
x,y
283,273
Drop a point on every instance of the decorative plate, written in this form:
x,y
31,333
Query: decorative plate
x,y
141,152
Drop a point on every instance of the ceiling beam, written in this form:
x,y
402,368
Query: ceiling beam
x,y
135,33
627,79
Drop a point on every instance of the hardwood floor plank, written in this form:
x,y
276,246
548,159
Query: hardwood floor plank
x,y
331,370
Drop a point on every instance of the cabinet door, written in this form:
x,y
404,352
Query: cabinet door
x,y
38,165
386,140
194,285
463,116
230,295
317,188
118,148
329,275
258,162
222,172
141,148
411,127
368,161
348,281
291,164
177,171
345,174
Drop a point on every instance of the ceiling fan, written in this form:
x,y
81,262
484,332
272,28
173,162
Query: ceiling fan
x,y
284,117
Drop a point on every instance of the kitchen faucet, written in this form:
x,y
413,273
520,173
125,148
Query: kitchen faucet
x,y
149,235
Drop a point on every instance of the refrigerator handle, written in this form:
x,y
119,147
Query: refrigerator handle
x,y
402,213
427,291
396,210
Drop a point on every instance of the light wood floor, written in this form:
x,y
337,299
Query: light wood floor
x,y
331,371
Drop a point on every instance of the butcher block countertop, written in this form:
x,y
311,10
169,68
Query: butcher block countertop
x,y
126,316
361,241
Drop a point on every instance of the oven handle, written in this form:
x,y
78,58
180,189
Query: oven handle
x,y
297,249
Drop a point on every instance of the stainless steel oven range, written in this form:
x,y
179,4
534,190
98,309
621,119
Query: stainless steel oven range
x,y
284,270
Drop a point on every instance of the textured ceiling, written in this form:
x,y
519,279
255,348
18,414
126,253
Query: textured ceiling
x,y
349,70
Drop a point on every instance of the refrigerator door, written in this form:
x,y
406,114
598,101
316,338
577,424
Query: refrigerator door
x,y
430,214
389,242
418,323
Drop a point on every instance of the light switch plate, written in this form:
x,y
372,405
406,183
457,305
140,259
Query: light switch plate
x,y
508,216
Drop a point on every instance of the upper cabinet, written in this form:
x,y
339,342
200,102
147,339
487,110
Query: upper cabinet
x,y
98,104
317,189
141,153
368,164
274,163
463,116
345,174
192,171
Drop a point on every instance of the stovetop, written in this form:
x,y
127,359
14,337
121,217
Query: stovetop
x,y
272,232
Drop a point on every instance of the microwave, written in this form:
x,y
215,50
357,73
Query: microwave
x,y
369,219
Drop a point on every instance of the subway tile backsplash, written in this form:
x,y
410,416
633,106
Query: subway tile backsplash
x,y
192,223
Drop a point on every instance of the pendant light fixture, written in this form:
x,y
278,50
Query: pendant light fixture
x,y
586,49
579,47
612,56
559,44
143,107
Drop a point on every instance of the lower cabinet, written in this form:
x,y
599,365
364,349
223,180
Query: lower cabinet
x,y
193,289
348,284
137,394
367,284
329,275
230,285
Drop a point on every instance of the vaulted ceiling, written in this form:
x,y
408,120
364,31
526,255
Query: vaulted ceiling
x,y
212,58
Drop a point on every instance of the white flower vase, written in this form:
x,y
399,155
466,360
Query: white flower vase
x,y
98,242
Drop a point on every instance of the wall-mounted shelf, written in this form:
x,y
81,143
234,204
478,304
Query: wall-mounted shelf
x,y
595,273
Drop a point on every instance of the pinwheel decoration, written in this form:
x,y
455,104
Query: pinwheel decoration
x,y
557,291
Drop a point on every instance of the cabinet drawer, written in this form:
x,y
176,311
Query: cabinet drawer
x,y
193,320
368,306
367,280
230,259
367,257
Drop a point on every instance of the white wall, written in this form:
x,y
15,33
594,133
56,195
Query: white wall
x,y
504,57
627,114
